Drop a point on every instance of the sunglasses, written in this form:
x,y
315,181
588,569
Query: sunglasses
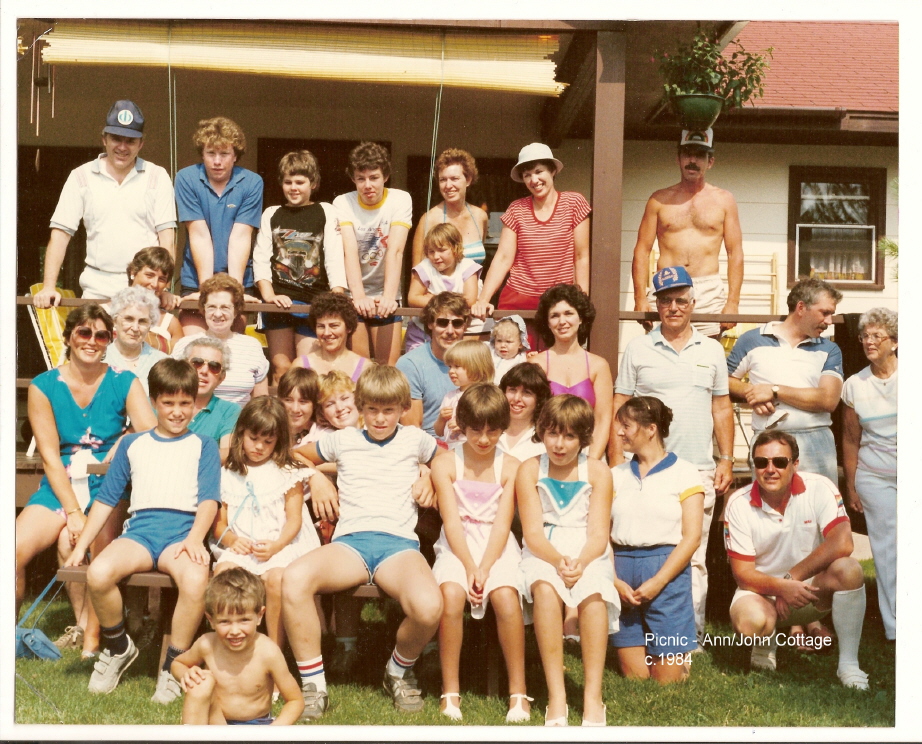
x,y
779,462
86,333
213,367
456,323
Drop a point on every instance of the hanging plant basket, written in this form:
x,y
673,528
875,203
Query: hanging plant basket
x,y
696,111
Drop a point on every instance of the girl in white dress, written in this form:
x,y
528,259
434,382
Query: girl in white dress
x,y
264,524
477,558
564,501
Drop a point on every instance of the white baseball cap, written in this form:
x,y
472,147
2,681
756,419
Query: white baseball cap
x,y
698,138
531,153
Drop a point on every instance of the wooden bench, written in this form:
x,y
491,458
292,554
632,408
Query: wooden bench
x,y
156,582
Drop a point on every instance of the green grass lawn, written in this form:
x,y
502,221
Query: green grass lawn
x,y
721,691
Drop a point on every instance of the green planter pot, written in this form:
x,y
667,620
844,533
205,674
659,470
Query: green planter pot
x,y
697,110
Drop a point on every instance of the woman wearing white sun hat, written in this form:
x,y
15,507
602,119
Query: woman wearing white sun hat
x,y
545,238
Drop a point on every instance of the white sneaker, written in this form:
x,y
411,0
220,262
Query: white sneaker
x,y
168,688
764,655
852,676
109,669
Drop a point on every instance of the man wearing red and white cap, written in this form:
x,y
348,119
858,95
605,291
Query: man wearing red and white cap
x,y
689,221
789,541
125,203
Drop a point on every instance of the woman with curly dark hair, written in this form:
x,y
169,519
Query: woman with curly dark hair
x,y
564,319
527,390
334,319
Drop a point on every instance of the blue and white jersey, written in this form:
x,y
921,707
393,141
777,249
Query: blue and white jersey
x,y
770,360
175,473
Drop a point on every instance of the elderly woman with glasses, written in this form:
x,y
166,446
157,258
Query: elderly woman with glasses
x,y
221,300
134,311
869,449
77,413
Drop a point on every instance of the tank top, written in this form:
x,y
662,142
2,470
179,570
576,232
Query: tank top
x,y
583,388
475,249
306,363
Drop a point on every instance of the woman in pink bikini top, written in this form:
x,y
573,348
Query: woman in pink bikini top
x,y
564,319
334,320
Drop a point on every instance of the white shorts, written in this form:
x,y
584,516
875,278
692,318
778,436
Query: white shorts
x,y
101,285
801,616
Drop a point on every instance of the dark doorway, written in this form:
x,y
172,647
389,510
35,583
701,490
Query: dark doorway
x,y
332,155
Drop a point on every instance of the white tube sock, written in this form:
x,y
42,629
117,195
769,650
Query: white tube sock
x,y
848,616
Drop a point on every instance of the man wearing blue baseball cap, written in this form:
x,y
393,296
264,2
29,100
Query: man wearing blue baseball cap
x,y
690,221
688,372
126,204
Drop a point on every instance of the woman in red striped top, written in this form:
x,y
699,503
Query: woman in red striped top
x,y
545,239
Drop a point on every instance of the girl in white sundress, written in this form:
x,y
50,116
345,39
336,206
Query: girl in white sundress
x,y
477,558
564,501
264,523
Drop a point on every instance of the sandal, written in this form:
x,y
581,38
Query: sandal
x,y
451,710
562,721
603,722
517,712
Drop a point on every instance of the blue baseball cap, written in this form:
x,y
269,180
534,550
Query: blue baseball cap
x,y
671,277
125,119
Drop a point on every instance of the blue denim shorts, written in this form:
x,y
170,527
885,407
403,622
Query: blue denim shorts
x,y
157,529
261,721
373,548
667,624
277,321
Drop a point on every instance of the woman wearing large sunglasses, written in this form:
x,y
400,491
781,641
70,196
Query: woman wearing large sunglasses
x,y
77,413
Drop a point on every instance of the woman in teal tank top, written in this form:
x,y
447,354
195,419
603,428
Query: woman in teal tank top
x,y
455,171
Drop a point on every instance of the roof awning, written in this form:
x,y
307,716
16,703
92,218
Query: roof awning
x,y
517,62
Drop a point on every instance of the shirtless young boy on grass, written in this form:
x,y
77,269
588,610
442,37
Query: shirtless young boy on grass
x,y
241,665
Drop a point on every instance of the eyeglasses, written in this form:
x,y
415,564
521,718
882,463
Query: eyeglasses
x,y
779,462
877,338
213,367
681,302
456,323
86,333
212,309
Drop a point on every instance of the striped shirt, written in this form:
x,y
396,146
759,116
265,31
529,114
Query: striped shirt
x,y
248,366
769,359
545,251
375,478
165,473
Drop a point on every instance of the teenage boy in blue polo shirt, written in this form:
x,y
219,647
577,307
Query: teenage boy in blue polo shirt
x,y
220,204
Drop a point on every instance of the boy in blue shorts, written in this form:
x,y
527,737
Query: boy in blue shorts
x,y
374,541
174,476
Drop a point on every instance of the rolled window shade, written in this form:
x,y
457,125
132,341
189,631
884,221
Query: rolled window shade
x,y
510,62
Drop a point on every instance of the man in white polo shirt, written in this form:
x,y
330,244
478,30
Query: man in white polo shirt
x,y
790,543
688,372
126,204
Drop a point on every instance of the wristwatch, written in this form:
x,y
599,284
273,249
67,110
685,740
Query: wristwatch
x,y
787,576
775,389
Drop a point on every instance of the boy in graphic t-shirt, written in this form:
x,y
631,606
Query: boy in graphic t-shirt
x,y
375,222
298,255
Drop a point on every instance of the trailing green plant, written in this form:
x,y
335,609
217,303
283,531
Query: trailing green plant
x,y
701,66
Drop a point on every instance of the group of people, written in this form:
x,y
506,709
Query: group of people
x,y
456,431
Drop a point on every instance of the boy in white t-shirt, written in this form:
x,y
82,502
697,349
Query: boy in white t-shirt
x,y
374,541
375,222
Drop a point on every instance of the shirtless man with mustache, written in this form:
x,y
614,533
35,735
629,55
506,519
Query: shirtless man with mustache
x,y
690,220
